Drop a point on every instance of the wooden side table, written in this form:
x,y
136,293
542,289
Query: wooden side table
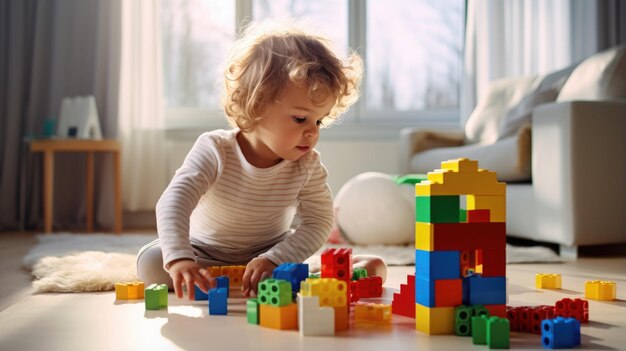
x,y
51,146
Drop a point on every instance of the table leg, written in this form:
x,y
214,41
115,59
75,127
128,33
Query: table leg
x,y
117,170
90,181
48,190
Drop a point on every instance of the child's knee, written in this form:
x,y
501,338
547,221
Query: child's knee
x,y
150,266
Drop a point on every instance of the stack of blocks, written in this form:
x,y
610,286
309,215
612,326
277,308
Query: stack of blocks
x,y
460,242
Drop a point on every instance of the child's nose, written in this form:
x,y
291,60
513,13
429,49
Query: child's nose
x,y
311,132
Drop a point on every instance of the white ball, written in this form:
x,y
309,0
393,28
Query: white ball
x,y
372,209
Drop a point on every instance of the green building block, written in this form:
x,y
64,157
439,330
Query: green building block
x,y
498,333
252,311
462,320
462,215
359,273
155,296
480,310
314,275
479,330
275,292
437,209
410,179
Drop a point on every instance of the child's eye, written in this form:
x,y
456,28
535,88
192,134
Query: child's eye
x,y
299,120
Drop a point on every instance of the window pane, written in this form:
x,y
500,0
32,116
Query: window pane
x,y
414,54
326,17
196,37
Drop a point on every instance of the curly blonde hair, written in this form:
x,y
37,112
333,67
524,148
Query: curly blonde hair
x,y
263,60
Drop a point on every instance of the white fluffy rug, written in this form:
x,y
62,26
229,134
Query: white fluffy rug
x,y
95,262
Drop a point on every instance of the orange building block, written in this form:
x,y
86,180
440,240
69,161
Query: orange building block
x,y
342,318
279,317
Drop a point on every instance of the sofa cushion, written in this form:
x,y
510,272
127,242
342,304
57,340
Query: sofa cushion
x,y
483,125
509,157
600,77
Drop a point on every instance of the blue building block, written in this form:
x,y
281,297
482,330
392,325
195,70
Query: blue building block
x,y
218,301
224,282
435,265
479,290
425,292
560,333
294,273
199,294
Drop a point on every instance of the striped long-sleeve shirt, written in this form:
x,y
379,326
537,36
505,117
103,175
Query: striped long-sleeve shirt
x,y
220,199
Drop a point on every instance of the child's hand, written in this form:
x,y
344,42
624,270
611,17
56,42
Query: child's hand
x,y
188,272
257,270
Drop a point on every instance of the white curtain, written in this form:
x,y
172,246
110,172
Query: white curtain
x,y
141,105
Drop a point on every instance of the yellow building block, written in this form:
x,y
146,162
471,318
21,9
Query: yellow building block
x,y
279,317
600,290
496,204
462,165
547,281
434,320
215,271
331,291
424,236
234,274
129,291
372,313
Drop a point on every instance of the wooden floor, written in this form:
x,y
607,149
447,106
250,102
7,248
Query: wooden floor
x,y
96,321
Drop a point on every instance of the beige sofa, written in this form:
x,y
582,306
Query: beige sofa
x,y
559,141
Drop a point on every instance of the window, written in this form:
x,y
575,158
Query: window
x,y
412,51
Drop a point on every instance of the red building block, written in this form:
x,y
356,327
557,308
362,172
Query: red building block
x,y
370,287
493,262
478,216
538,314
513,317
448,292
337,263
403,303
468,236
496,310
354,291
577,308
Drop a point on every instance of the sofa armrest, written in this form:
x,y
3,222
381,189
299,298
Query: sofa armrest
x,y
415,140
579,170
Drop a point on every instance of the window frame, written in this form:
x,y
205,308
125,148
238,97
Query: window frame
x,y
357,124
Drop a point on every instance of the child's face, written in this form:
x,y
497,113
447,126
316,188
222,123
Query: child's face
x,y
290,126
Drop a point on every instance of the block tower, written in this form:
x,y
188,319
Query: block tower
x,y
460,244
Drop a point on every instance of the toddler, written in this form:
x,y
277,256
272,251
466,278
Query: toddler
x,y
233,200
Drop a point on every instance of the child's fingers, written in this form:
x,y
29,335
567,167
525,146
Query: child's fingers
x,y
246,279
202,279
178,288
189,283
254,279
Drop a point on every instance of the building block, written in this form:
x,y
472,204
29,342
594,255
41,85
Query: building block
x,y
223,282
600,290
358,273
492,262
574,308
156,296
234,274
404,302
478,216
294,273
129,291
215,271
495,204
434,320
433,265
314,320
252,311
446,182
479,330
425,292
379,314
496,310
462,320
537,315
484,290
342,318
560,333
459,236
547,281
279,317
337,263
370,287
498,333
218,301
199,295
460,165
354,291
331,291
448,292
513,316
437,209
275,292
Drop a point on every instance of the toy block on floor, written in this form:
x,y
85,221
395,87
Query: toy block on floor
x,y
294,273
479,330
155,296
234,274
404,302
314,320
129,291
370,287
574,308
337,263
537,315
463,320
199,295
223,282
279,317
252,311
275,292
498,333
434,320
560,333
548,281
331,291
600,290
218,301
379,314
342,318
437,209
